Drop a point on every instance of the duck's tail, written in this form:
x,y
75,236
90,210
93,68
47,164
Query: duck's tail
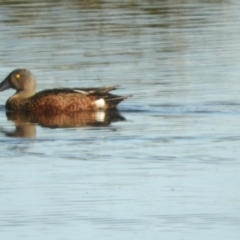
x,y
104,99
113,100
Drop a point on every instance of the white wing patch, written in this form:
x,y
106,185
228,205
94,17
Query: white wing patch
x,y
100,103
80,91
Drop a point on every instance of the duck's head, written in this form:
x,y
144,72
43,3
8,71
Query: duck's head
x,y
22,80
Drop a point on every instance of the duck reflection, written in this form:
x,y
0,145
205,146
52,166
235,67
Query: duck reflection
x,y
25,124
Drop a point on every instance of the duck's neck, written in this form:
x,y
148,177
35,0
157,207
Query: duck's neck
x,y
23,94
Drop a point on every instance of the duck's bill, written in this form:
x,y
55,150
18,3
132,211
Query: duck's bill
x,y
4,85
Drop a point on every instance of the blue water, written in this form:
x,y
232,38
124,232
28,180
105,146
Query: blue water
x,y
170,170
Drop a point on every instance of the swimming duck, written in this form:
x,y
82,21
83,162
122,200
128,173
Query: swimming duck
x,y
53,101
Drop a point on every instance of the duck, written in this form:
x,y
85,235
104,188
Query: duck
x,y
57,100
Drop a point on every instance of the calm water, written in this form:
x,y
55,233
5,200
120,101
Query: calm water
x,y
170,170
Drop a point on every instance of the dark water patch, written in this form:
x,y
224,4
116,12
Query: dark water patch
x,y
227,103
198,220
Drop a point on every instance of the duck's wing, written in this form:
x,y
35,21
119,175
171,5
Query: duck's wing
x,y
102,91
102,94
96,91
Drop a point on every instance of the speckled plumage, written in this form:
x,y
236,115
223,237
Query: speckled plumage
x,y
55,101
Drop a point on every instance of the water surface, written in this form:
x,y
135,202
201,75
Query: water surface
x,y
169,170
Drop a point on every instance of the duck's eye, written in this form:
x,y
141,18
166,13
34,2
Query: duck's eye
x,y
17,76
